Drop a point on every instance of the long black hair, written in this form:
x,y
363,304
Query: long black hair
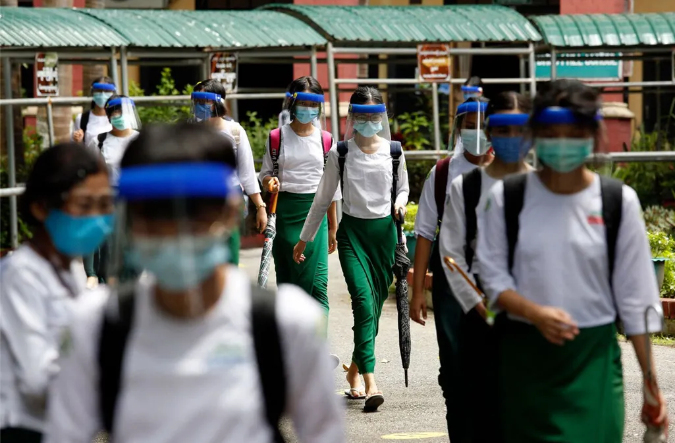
x,y
215,87
508,101
302,84
582,100
56,171
366,94
474,80
105,79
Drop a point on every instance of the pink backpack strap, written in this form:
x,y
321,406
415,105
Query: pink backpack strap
x,y
275,150
327,140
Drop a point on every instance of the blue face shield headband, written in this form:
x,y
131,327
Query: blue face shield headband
x,y
108,87
205,111
472,92
556,115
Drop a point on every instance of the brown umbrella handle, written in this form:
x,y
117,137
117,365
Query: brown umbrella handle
x,y
273,199
452,265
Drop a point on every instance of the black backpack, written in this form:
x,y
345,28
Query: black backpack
x,y
117,323
84,121
395,150
101,139
611,191
471,189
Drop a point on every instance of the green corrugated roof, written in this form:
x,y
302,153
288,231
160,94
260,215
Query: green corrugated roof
x,y
608,30
415,24
54,27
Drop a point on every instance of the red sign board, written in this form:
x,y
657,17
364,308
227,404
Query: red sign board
x,y
433,63
46,74
224,68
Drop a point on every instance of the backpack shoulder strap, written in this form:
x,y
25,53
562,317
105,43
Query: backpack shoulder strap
x,y
342,157
395,150
327,141
101,139
440,185
514,196
117,322
611,191
275,150
267,343
471,190
84,120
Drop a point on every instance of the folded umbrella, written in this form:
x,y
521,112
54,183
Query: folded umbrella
x,y
270,233
453,266
401,268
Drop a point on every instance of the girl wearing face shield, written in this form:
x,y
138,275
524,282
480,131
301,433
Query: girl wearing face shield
x,y
122,115
475,345
193,368
91,123
564,252
208,106
68,204
367,234
447,312
300,150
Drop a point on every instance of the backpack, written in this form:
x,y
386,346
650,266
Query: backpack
x,y
84,121
395,150
117,323
275,142
440,184
101,139
471,189
611,192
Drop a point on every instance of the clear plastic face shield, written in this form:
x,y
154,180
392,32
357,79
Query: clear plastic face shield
x,y
506,133
101,92
306,107
469,129
470,92
564,142
122,114
174,221
204,105
366,123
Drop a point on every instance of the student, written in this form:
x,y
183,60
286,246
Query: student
x,y
363,167
90,124
472,88
192,351
68,205
564,252
121,112
507,117
208,102
293,164
447,312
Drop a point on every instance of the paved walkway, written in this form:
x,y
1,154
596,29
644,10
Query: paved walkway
x,y
419,409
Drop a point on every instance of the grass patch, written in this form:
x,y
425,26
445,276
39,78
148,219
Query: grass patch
x,y
657,339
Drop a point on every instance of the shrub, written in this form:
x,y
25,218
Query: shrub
x,y
164,113
258,132
410,215
663,246
660,219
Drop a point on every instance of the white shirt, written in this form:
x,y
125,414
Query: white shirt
x,y
452,240
426,220
300,161
35,312
561,256
112,151
244,155
197,380
96,125
368,179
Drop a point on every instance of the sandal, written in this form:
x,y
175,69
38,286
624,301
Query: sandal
x,y
373,402
358,393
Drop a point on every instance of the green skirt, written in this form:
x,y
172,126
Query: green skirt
x,y
567,394
312,274
366,250
234,243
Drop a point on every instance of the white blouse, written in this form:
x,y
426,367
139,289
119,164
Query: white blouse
x,y
301,162
96,125
112,151
561,256
368,179
245,165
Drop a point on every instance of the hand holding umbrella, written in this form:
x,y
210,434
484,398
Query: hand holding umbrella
x,y
401,268
453,266
270,233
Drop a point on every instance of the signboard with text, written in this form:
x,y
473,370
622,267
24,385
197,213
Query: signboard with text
x,y
434,63
587,69
224,69
46,74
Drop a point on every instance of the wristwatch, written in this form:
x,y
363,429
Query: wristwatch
x,y
261,205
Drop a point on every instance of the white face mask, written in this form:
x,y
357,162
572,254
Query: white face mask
x,y
475,142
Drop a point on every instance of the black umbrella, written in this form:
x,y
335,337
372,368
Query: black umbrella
x,y
270,233
401,268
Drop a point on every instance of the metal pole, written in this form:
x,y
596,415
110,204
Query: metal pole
x,y
437,118
334,102
206,67
554,66
521,63
50,122
533,67
113,67
9,136
314,69
125,70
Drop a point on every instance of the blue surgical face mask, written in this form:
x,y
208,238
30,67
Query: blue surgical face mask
x,y
305,114
475,141
119,122
202,111
181,263
509,149
368,129
100,98
563,154
77,236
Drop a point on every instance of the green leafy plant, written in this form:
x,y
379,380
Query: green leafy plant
x,y
660,219
415,130
164,113
663,246
409,219
258,131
